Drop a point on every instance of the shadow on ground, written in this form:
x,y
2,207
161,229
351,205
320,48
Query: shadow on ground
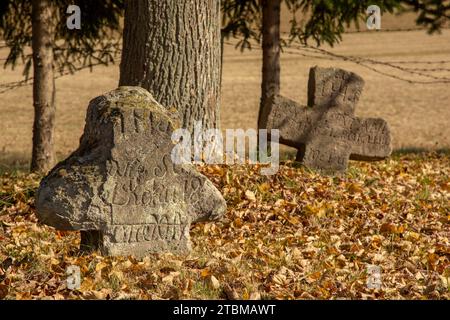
x,y
290,155
20,162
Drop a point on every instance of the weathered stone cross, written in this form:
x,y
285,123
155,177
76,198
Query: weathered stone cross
x,y
121,188
327,133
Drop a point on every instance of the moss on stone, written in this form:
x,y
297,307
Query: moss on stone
x,y
138,98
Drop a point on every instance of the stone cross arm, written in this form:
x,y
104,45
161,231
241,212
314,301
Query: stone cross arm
x,y
367,139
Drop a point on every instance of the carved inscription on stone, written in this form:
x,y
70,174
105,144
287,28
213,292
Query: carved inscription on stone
x,y
122,183
327,133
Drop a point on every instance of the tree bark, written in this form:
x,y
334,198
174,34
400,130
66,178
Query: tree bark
x,y
43,156
271,52
172,49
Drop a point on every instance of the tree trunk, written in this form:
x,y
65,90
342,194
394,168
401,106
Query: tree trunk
x,y
222,52
43,156
172,49
271,52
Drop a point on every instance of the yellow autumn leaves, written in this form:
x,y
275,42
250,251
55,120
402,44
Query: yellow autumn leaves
x,y
294,235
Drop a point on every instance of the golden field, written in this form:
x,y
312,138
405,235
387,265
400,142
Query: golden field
x,y
417,113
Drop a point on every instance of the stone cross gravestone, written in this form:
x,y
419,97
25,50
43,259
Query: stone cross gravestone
x,y
121,188
327,133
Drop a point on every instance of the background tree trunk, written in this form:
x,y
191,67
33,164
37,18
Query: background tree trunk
x,y
271,52
172,49
43,156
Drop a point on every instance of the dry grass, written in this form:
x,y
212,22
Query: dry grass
x,y
418,114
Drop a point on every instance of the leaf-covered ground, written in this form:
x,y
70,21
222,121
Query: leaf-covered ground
x,y
295,235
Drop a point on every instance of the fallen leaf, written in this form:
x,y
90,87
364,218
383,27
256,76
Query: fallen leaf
x,y
255,296
100,266
230,292
205,273
250,195
3,291
214,282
